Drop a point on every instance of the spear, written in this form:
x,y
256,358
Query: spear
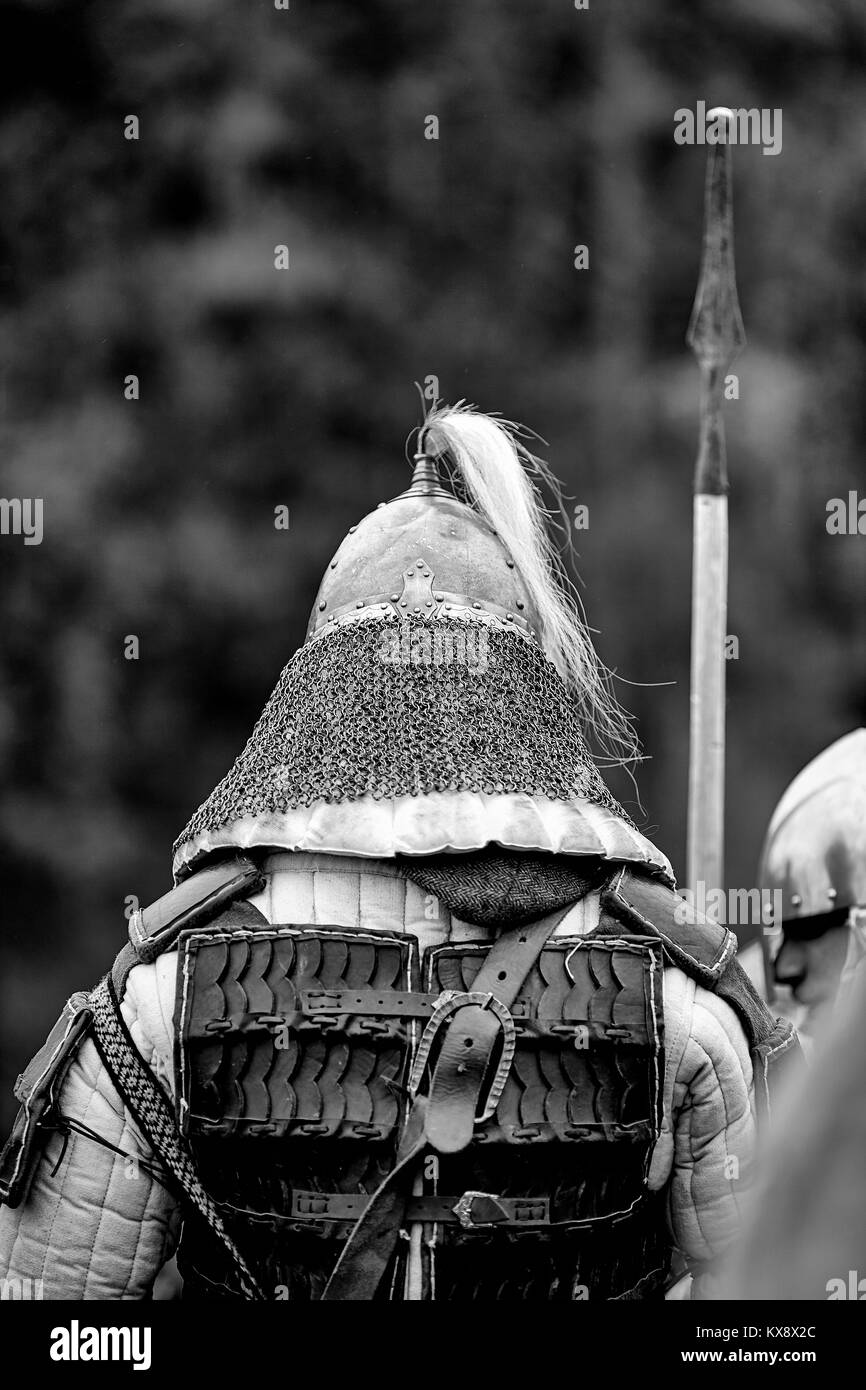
x,y
715,336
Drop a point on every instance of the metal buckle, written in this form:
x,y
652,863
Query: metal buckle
x,y
857,922
529,1211
449,1001
463,1210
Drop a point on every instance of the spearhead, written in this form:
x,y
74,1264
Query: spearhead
x,y
716,334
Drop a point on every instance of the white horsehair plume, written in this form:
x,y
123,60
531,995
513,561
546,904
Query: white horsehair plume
x,y
499,476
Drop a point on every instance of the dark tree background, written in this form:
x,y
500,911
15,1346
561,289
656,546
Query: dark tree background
x,y
408,258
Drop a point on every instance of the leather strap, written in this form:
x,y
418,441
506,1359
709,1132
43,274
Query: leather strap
x,y
464,1059
698,945
371,1003
474,1210
366,1254
193,902
237,914
125,961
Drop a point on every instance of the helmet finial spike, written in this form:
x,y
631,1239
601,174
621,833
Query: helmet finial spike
x,y
426,478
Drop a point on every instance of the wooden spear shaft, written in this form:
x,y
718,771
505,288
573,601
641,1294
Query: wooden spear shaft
x,y
715,336
414,1283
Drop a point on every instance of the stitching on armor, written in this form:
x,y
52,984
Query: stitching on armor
x,y
347,719
714,969
788,1039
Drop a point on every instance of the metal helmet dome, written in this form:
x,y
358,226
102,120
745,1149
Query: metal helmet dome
x,y
426,553
815,847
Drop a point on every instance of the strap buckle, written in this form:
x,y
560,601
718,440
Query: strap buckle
x,y
464,1210
449,1001
480,1210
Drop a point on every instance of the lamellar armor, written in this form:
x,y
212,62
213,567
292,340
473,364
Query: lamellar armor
x,y
317,1044
363,1114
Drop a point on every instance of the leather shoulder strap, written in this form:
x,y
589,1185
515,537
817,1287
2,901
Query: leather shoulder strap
x,y
238,914
193,902
474,1026
707,952
699,946
446,1118
773,1042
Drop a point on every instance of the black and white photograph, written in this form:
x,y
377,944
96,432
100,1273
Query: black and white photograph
x,y
432,678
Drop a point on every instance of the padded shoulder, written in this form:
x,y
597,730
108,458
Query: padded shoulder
x,y
38,1088
700,947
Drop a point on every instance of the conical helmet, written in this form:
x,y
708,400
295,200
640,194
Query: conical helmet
x,y
440,699
815,849
427,555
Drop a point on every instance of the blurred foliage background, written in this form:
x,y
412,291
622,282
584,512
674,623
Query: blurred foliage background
x,y
409,257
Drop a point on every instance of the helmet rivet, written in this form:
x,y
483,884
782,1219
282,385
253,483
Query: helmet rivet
x,y
420,564
429,603
439,597
510,564
322,606
403,603
831,892
352,530
426,574
476,605
333,564
520,603
796,900
360,603
394,598
416,610
510,617
409,574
